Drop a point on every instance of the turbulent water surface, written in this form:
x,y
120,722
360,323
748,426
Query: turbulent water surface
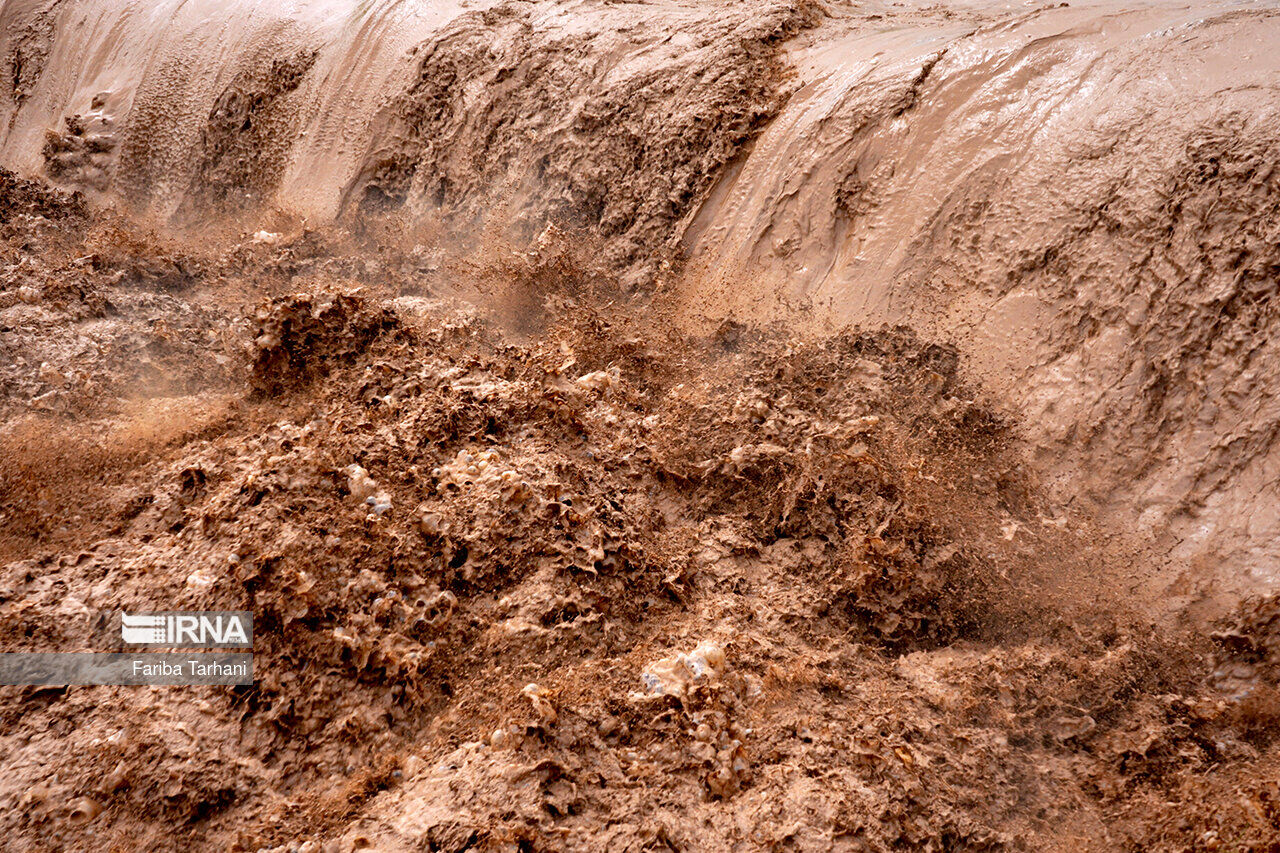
x,y
1054,230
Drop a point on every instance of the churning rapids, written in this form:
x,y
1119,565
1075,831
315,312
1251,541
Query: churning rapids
x,y
719,425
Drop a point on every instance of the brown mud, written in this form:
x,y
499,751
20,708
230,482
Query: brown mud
x,y
1075,196
476,558
716,426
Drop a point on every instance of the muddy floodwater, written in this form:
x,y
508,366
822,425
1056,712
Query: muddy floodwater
x,y
724,425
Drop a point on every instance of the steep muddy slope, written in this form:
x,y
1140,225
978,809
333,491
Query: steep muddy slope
x,y
603,120
155,101
1080,198
585,112
1084,200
